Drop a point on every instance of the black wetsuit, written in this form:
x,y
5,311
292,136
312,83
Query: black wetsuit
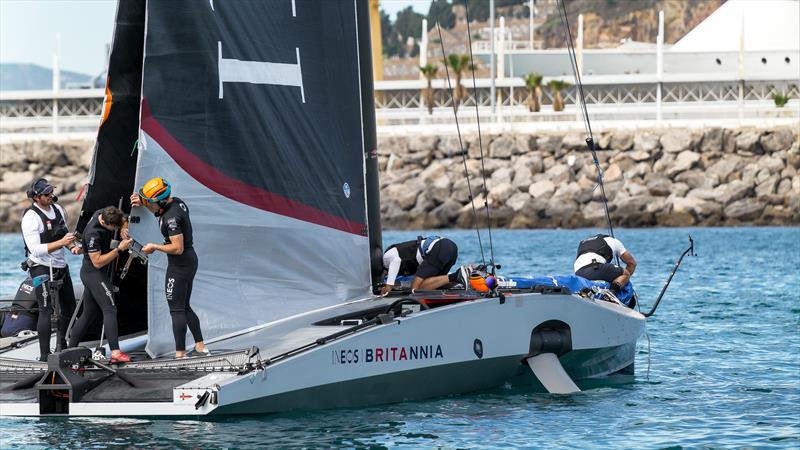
x,y
181,270
99,295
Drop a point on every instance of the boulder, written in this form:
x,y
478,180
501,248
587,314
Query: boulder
x,y
422,143
768,186
501,175
676,141
13,182
684,161
502,147
574,142
771,163
499,194
450,146
517,201
561,208
559,173
733,191
777,140
613,173
405,196
745,209
419,158
439,190
702,193
646,146
621,140
712,140
522,178
542,188
748,143
548,144
659,186
698,206
640,155
696,178
446,213
726,167
635,188
784,187
664,163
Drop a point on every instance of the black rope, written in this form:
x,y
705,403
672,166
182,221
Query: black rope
x,y
585,113
461,143
480,143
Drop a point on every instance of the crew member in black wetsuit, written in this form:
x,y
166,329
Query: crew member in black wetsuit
x,y
173,219
44,230
594,257
98,254
428,259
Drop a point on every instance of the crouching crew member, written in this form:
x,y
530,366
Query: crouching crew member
x,y
44,229
428,259
594,258
96,280
176,227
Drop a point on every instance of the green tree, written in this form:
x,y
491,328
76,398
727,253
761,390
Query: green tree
x,y
458,63
429,71
534,83
441,11
556,86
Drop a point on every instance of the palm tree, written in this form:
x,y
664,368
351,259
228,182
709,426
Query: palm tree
x,y
534,83
429,71
458,63
557,86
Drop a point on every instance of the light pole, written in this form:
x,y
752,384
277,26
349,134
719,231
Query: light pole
x,y
492,91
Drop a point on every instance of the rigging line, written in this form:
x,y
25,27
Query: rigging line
x,y
461,143
480,142
585,114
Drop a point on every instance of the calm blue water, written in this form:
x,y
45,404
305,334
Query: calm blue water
x,y
723,358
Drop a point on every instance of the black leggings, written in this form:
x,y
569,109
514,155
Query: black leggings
x,y
98,296
66,300
178,286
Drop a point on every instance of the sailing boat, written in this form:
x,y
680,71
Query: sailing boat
x,y
261,116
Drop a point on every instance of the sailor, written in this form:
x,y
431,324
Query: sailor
x,y
427,258
594,258
99,296
44,230
176,227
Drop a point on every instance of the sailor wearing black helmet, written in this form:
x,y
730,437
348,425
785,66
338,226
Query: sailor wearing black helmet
x,y
176,227
44,230
594,257
427,258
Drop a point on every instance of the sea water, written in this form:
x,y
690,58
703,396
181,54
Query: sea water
x,y
719,366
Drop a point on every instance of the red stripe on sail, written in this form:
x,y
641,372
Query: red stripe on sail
x,y
238,190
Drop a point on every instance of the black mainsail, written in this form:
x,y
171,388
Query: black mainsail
x,y
260,115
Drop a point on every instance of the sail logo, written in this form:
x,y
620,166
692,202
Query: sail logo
x,y
386,354
346,189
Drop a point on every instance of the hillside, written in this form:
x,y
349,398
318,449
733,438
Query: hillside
x,y
25,77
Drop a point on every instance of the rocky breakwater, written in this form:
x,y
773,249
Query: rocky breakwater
x,y
64,163
659,177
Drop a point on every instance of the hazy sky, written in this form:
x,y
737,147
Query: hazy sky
x,y
28,29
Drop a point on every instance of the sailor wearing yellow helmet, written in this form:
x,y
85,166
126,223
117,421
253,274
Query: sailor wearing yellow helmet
x,y
176,227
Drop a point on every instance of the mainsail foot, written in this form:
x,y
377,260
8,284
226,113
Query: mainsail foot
x,y
551,374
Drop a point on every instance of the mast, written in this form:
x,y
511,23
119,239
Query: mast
x,y
370,143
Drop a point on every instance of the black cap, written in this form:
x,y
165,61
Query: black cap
x,y
40,187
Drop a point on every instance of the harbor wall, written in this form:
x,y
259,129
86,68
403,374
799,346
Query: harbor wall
x,y
657,177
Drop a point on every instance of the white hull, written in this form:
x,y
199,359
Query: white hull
x,y
463,347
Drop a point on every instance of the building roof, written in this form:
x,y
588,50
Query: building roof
x,y
768,25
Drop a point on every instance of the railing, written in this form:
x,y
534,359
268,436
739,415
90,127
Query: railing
x,y
623,98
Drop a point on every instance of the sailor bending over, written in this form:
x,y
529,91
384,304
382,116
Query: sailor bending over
x,y
97,237
176,227
44,229
594,258
428,259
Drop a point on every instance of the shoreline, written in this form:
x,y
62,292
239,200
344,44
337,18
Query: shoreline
x,y
670,177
